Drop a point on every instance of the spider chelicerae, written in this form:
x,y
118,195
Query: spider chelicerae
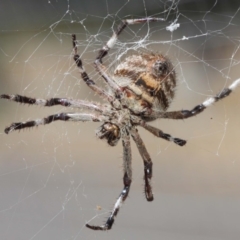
x,y
140,91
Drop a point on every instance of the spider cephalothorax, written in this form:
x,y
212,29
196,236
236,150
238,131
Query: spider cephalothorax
x,y
140,91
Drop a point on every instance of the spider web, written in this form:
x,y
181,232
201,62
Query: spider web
x,y
56,178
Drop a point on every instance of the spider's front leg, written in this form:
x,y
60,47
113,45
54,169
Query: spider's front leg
x,y
78,103
127,179
77,117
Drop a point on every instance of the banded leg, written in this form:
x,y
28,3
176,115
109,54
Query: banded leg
x,y
111,42
199,108
90,83
109,80
109,45
159,133
146,161
127,179
83,117
54,101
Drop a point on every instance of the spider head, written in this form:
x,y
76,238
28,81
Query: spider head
x,y
109,132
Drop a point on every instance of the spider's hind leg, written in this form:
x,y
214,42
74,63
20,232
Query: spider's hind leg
x,y
159,133
183,114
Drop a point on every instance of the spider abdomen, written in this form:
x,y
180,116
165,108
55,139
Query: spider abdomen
x,y
149,80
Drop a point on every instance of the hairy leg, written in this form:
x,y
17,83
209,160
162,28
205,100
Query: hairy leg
x,y
127,179
110,44
158,133
55,101
146,161
82,117
199,108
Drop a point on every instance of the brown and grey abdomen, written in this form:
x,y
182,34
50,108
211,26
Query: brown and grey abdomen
x,y
149,79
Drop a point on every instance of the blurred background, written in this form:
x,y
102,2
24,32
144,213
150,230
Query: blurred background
x,y
55,178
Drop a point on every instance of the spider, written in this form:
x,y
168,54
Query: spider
x,y
140,91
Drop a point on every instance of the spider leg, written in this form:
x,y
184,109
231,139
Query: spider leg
x,y
127,179
146,161
55,101
83,117
111,42
159,133
199,108
109,80
90,83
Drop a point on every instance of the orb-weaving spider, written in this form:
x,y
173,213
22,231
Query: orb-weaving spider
x,y
140,90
